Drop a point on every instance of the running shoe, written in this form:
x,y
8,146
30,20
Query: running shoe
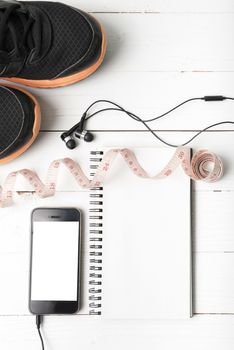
x,y
19,122
48,44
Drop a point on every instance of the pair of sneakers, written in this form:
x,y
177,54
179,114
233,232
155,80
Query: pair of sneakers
x,y
44,45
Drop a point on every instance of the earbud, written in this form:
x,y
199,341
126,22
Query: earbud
x,y
86,135
70,142
79,132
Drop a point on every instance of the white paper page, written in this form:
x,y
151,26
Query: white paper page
x,y
146,241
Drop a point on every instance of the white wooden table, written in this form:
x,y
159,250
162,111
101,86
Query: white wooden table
x,y
160,52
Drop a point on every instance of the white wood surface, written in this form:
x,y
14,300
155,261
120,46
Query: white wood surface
x,y
145,93
160,52
159,6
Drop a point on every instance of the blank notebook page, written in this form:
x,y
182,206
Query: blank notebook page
x,y
146,241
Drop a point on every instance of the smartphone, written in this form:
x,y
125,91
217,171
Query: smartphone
x,y
54,286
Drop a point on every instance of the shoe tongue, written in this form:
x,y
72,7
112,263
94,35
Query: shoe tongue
x,y
15,22
41,32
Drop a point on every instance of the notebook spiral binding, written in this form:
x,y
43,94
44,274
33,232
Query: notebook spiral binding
x,y
95,240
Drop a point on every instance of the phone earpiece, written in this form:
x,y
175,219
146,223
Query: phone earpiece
x,y
86,135
78,131
70,142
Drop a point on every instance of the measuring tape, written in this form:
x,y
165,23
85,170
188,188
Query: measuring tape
x,y
196,168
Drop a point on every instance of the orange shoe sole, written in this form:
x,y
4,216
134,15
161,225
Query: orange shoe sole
x,y
71,79
35,131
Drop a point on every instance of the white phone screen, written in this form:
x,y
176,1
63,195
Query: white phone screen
x,y
55,250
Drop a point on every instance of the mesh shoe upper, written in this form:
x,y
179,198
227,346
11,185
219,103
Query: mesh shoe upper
x,y
16,120
70,41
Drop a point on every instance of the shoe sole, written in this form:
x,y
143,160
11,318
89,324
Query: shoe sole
x,y
35,131
70,79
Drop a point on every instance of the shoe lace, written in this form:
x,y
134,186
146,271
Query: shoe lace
x,y
21,39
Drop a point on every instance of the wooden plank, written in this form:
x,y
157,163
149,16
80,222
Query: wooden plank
x,y
163,6
208,332
168,42
213,275
213,222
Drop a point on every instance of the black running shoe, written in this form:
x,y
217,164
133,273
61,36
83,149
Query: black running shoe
x,y
19,122
48,44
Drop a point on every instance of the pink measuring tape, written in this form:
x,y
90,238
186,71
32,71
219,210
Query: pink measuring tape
x,y
195,168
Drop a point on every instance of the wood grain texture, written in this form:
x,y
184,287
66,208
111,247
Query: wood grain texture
x,y
162,6
72,332
159,53
213,283
168,42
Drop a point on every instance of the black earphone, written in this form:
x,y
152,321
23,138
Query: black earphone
x,y
78,129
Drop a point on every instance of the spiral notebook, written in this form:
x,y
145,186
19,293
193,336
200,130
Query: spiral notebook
x,y
140,241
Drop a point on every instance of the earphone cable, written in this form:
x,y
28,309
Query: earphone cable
x,y
38,323
207,128
133,114
144,122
